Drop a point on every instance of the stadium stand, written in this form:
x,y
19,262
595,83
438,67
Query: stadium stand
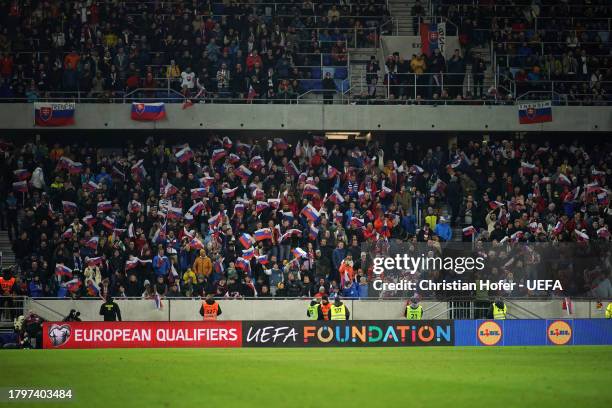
x,y
241,218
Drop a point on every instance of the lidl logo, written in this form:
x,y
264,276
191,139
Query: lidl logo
x,y
559,332
489,333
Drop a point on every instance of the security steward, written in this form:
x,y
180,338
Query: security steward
x,y
210,309
110,310
325,308
313,310
414,311
339,311
609,311
499,309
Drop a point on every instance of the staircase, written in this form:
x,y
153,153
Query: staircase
x,y
401,11
8,257
358,59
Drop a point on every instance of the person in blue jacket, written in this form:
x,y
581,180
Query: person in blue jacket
x,y
443,230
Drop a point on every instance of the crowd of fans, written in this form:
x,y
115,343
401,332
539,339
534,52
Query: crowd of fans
x,y
208,49
540,41
275,218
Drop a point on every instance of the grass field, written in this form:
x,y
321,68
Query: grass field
x,y
451,377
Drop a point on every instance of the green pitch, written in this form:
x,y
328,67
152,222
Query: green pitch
x,y
383,377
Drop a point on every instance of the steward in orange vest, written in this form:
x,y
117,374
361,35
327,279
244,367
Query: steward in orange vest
x,y
324,309
210,309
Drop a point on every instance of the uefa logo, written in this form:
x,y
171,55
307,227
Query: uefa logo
x,y
489,333
559,332
59,334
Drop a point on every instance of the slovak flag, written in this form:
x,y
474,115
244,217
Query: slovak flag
x,y
336,197
243,172
274,202
90,186
63,270
603,233
258,194
357,222
311,213
195,243
299,253
292,169
174,213
243,264
218,154
495,204
581,236
104,206
246,240
469,231
238,209
310,189
516,236
170,190
218,266
313,232
196,208
414,169
332,172
248,253
108,223
438,187
280,144
94,261
69,206
134,206
229,192
256,163
262,259
558,228
131,264
75,167
263,234
528,168
90,220
215,220
139,171
22,174
54,114
563,180
535,112
148,111
21,186
184,155
227,142
234,158
288,215
92,243
261,206
207,181
67,234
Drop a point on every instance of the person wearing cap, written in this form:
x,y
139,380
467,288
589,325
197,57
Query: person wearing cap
x,y
313,309
325,308
110,310
443,230
210,309
339,311
414,311
499,309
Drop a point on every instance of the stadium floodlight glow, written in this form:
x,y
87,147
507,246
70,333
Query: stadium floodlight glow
x,y
341,135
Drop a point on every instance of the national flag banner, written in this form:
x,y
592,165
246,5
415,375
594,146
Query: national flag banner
x,y
174,213
148,111
258,194
134,206
67,234
287,215
256,163
233,158
170,190
581,236
138,170
262,259
433,36
104,206
456,162
243,148
357,222
603,232
218,266
73,285
63,163
290,233
310,213
131,263
246,240
495,204
299,253
207,181
332,172
414,169
385,191
593,188
563,180
69,206
528,168
535,112
90,220
261,206
572,195
75,168
92,243
242,264
90,186
558,228
215,220
218,154
239,209
93,290
336,197
274,203
227,142
54,114
184,155
229,192
248,253
292,169
243,172
22,174
108,223
280,144
196,208
63,270
118,232
338,217
262,234
96,261
469,231
313,233
311,190
602,198
195,243
20,186
438,187
517,236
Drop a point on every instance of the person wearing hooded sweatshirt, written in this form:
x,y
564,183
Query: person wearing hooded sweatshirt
x,y
339,311
210,309
499,309
110,310
443,230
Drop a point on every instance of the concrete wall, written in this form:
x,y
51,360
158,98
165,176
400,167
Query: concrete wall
x,y
322,118
407,45
187,309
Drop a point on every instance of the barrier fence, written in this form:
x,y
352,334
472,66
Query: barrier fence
x,y
355,333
